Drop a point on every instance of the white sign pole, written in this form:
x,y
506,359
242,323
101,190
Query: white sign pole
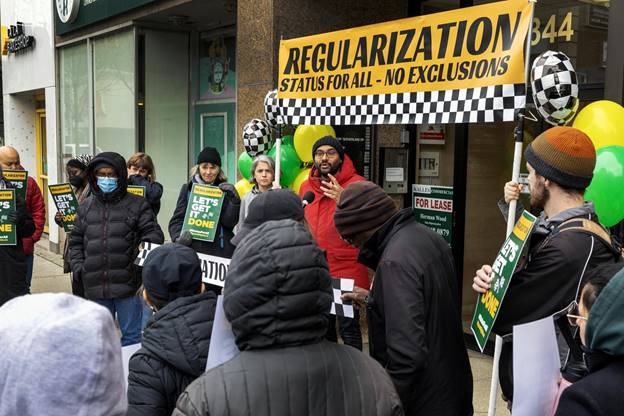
x,y
511,217
278,157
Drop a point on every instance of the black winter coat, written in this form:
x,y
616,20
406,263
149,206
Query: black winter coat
x,y
221,246
546,282
173,353
414,324
12,258
278,310
153,190
107,233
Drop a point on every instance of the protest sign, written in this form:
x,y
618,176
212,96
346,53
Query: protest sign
x,y
433,207
222,342
66,203
489,303
203,212
214,269
8,236
126,353
19,180
424,69
137,190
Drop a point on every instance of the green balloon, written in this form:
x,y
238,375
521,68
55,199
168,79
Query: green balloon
x,y
288,141
290,164
244,165
606,187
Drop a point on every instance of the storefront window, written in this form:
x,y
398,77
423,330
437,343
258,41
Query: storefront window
x,y
74,101
114,93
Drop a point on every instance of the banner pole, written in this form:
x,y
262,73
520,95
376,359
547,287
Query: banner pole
x,y
511,216
278,155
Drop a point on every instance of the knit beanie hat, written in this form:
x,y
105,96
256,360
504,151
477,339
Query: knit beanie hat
x,y
81,161
363,206
329,141
564,155
61,355
209,155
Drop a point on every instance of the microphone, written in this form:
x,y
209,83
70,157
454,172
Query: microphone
x,y
308,198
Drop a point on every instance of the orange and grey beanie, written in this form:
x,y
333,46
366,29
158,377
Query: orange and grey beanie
x,y
564,155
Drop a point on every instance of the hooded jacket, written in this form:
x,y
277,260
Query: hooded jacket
x,y
153,191
107,233
221,246
341,256
173,353
546,281
414,325
13,275
276,296
36,208
60,356
601,392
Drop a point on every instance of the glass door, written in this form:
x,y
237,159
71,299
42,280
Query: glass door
x,y
42,158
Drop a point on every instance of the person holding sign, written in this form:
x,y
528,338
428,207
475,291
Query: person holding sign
x,y
568,242
414,324
105,240
15,224
141,172
174,348
277,296
10,160
208,172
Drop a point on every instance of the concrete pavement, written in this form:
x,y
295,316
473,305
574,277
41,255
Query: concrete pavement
x,y
48,277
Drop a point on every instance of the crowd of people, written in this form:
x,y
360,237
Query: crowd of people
x,y
61,353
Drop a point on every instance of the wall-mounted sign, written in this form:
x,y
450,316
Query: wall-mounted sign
x,y
431,133
429,164
67,10
433,207
358,142
18,40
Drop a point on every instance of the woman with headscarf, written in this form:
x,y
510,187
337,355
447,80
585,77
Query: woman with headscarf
x,y
76,170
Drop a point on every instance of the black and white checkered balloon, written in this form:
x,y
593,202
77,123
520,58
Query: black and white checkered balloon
x,y
257,137
271,109
555,87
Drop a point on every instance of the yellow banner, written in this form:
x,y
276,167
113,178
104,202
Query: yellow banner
x,y
207,190
6,195
63,188
137,190
464,48
15,175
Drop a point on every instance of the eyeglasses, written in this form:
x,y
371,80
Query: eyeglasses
x,y
574,314
330,153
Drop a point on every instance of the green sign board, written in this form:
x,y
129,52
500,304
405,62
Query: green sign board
x,y
203,212
8,236
86,12
489,303
66,203
433,207
19,180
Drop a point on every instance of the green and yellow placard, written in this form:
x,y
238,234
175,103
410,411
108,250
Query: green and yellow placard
x,y
19,180
203,212
8,235
66,203
137,190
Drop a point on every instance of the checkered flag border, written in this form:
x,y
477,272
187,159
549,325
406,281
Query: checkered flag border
x,y
555,87
143,253
257,137
468,105
340,307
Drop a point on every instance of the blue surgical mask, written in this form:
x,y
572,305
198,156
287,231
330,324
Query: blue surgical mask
x,y
106,185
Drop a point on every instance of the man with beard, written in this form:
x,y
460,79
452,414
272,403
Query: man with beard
x,y
567,242
333,171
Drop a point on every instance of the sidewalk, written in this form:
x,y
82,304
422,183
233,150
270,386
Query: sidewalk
x,y
48,277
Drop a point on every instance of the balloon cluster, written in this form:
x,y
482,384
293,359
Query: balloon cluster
x,y
295,151
603,122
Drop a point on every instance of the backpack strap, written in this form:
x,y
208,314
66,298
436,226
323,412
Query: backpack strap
x,y
587,226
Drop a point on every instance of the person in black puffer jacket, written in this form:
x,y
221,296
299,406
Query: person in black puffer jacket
x,y
208,172
175,342
277,294
109,227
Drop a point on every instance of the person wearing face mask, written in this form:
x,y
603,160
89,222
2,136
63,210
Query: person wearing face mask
x,y
76,170
599,319
208,172
262,177
105,241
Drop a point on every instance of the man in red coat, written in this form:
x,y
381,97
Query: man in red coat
x,y
10,160
333,170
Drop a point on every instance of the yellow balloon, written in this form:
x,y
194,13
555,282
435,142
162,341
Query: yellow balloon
x,y
306,136
242,187
301,178
603,122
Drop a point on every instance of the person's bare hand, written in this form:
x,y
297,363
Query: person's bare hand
x,y
483,279
332,188
358,296
512,191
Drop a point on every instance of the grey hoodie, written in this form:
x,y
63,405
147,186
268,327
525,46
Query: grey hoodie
x,y
59,355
